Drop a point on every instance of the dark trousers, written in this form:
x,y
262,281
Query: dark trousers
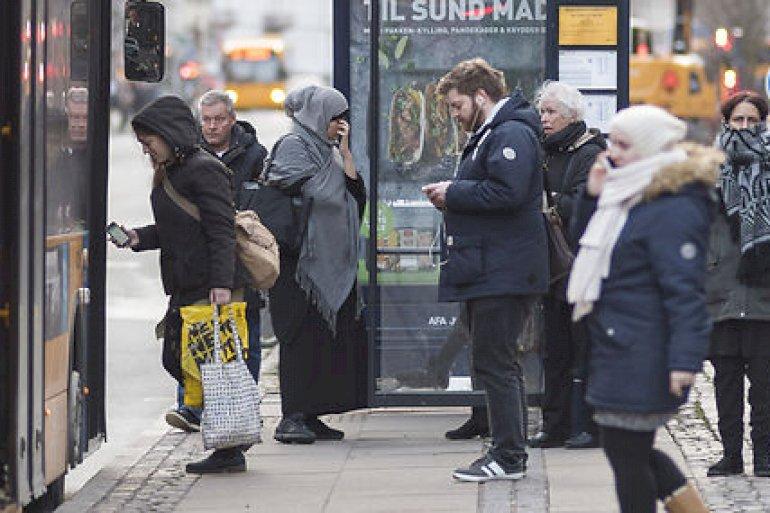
x,y
495,324
565,411
729,379
642,474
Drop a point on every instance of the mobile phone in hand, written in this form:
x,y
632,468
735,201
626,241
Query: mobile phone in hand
x,y
118,235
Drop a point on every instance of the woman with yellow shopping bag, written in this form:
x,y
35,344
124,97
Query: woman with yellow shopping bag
x,y
197,259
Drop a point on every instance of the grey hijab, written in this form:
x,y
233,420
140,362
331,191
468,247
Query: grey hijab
x,y
328,260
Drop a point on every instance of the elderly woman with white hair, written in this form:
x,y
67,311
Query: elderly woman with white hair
x,y
570,150
639,281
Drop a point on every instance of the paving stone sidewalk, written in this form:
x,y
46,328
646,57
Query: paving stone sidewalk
x,y
695,432
408,463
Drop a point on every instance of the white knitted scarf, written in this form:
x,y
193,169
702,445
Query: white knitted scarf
x,y
622,190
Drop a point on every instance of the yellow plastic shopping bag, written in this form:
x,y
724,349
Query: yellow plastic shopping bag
x,y
198,342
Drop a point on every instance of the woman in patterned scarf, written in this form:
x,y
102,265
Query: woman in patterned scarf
x,y
739,283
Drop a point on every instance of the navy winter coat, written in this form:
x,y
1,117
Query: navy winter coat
x,y
495,240
651,317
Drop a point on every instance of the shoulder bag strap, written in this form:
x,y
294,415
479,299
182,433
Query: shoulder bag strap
x,y
180,201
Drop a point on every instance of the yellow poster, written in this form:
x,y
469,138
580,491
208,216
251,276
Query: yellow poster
x,y
588,25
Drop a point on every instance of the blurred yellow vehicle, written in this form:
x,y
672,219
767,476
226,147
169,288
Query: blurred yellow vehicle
x,y
254,71
677,83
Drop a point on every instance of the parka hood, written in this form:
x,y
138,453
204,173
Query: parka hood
x,y
700,167
172,119
517,108
243,134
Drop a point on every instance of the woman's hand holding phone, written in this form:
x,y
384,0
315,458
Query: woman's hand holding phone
x,y
121,236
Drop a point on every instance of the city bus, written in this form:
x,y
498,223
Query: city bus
x,y
254,72
55,60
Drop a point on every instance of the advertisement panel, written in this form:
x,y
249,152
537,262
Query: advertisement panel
x,y
419,345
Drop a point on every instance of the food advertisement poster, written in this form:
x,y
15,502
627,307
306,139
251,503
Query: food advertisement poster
x,y
419,143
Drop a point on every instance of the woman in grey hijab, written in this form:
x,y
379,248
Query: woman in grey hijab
x,y
313,304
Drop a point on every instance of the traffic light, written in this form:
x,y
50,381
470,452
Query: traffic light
x,y
730,79
723,39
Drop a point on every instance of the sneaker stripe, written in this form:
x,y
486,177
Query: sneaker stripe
x,y
495,468
488,471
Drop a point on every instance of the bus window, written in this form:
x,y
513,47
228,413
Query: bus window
x,y
265,70
79,41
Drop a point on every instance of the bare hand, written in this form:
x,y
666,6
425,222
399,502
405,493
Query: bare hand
x,y
597,176
133,238
220,296
680,380
344,133
436,193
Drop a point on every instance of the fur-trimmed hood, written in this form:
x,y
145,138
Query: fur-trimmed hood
x,y
701,166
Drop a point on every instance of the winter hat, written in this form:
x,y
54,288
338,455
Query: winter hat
x,y
651,129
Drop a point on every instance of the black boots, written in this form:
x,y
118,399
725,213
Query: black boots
x,y
220,461
477,425
293,430
727,466
322,431
584,440
544,440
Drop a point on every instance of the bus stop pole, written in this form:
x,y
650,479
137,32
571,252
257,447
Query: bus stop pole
x,y
373,150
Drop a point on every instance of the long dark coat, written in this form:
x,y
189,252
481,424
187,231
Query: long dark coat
x,y
194,256
320,372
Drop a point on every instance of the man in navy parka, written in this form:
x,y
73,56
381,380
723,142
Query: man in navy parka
x,y
495,247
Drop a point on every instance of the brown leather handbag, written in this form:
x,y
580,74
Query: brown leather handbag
x,y
560,255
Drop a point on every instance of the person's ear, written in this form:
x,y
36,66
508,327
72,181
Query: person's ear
x,y
479,100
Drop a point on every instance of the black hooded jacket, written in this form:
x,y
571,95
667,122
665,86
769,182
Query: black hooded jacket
x,y
194,256
495,240
245,158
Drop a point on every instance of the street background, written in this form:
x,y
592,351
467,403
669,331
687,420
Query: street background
x,y
724,43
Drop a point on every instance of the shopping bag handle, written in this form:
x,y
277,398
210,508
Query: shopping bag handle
x,y
236,336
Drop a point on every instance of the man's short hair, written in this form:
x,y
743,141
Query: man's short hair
x,y
470,76
215,96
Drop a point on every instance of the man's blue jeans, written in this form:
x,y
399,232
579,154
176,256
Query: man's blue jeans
x,y
254,361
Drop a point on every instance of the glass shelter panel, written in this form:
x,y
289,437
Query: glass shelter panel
x,y
420,346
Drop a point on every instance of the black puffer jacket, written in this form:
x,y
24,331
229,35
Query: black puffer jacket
x,y
569,155
195,256
245,158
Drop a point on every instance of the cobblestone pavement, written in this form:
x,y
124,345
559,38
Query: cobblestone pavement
x,y
157,482
695,432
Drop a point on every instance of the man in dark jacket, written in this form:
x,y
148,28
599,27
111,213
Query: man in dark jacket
x,y
495,247
235,144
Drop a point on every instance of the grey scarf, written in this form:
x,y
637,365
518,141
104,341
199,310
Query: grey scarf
x,y
743,182
328,260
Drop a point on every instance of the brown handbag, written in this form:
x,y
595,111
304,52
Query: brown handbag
x,y
560,255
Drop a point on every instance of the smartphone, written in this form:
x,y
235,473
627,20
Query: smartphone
x,y
118,235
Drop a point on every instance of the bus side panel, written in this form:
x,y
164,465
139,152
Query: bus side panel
x,y
22,256
38,196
